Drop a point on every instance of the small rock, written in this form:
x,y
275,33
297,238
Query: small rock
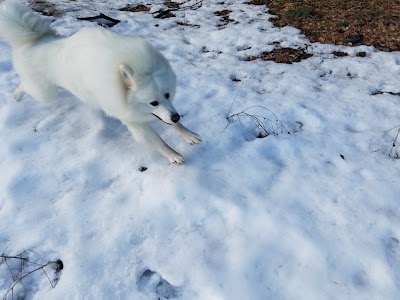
x,y
361,54
142,169
354,39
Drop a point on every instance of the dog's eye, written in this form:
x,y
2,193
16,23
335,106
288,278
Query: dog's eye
x,y
167,95
154,103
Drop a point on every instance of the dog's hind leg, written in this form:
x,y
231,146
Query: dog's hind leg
x,y
189,136
19,93
43,92
146,135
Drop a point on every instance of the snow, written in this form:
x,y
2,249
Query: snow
x,y
313,214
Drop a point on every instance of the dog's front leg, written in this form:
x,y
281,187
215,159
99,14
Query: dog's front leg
x,y
19,93
146,135
189,136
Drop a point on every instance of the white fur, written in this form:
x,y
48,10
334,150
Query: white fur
x,y
122,75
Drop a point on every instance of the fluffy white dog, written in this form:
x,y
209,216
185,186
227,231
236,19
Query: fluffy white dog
x,y
125,76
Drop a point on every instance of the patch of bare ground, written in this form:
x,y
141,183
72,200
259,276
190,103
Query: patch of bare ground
x,y
225,19
45,8
135,8
172,4
341,22
282,55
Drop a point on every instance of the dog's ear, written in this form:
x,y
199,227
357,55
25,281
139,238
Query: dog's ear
x,y
127,76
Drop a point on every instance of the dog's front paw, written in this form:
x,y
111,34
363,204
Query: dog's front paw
x,y
18,94
189,136
174,157
192,138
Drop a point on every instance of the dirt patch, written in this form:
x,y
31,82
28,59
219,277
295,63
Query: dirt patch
x,y
257,2
223,13
282,55
45,8
176,6
358,22
135,8
225,19
339,53
172,4
186,24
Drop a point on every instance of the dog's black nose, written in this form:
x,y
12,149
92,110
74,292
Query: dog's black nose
x,y
175,118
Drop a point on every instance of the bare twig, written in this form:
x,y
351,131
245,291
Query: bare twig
x,y
19,280
12,274
233,102
48,278
390,136
374,93
15,257
264,125
110,21
393,150
23,273
161,14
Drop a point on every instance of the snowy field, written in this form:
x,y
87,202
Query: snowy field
x,y
310,211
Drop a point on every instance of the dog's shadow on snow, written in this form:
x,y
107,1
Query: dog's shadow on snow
x,y
112,128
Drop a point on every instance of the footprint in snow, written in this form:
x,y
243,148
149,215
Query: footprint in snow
x,y
152,282
392,247
5,66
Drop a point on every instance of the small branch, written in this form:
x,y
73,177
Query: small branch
x,y
19,280
48,278
25,263
383,92
162,14
98,20
12,274
274,125
394,146
233,102
16,257
390,136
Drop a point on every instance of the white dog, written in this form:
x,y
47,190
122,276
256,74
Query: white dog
x,y
125,76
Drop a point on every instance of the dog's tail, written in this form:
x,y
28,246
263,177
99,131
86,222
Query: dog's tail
x,y
20,25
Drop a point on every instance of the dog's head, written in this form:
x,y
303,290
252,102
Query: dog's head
x,y
149,93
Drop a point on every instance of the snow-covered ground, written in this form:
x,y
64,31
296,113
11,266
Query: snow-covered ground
x,y
313,214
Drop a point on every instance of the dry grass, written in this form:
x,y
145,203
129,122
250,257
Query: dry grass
x,y
136,8
282,55
374,22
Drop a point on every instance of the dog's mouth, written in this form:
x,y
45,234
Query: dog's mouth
x,y
162,119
